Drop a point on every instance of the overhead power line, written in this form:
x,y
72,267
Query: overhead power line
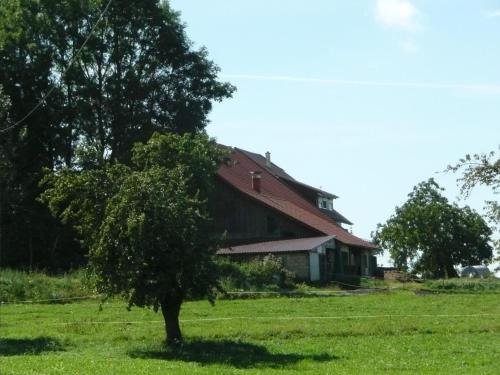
x,y
476,316
73,59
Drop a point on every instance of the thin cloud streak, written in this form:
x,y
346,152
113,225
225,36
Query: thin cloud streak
x,y
482,88
492,13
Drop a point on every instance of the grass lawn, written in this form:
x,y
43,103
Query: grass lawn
x,y
396,332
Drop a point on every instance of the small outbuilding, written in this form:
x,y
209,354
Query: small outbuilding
x,y
475,271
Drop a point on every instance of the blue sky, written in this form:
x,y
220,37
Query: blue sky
x,y
362,98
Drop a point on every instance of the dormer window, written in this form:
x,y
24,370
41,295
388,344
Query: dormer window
x,y
325,203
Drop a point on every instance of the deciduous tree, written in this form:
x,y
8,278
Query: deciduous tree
x,y
429,235
482,170
147,226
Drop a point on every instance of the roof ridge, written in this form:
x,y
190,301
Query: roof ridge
x,y
294,181
274,165
284,174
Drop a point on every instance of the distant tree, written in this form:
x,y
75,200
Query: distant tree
x,y
429,235
482,169
147,226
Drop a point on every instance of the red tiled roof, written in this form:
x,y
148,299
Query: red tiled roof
x,y
273,168
280,172
297,244
277,195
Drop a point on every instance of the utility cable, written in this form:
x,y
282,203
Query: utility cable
x,y
73,59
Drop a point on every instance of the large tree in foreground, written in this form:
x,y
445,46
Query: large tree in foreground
x,y
429,235
147,226
137,74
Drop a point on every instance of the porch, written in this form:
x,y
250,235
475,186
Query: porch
x,y
347,261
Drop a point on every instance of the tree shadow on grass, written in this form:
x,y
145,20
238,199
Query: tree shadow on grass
x,y
38,345
235,353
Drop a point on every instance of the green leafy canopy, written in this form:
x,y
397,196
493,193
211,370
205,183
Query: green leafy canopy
x,y
112,83
482,169
429,235
147,226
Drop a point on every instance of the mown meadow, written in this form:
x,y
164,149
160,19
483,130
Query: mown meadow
x,y
390,332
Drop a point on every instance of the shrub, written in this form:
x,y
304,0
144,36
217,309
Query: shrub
x,y
268,271
261,273
16,286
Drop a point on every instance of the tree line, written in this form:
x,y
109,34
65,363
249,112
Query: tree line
x,y
137,74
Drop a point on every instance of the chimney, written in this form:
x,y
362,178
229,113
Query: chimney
x,y
268,159
256,176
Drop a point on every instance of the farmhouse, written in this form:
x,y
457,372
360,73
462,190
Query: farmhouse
x,y
264,210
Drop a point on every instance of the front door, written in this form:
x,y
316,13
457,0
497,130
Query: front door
x,y
314,273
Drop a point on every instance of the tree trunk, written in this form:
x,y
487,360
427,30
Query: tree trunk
x,y
1,226
30,247
450,271
170,308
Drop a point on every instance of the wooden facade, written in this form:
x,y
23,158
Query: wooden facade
x,y
246,221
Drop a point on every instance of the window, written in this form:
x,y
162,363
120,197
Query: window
x,y
323,204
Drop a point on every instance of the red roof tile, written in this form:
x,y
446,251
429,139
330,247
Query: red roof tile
x,y
280,172
277,195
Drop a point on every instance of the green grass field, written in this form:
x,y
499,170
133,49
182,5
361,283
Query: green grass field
x,y
396,332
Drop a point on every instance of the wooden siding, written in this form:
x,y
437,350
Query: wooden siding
x,y
247,221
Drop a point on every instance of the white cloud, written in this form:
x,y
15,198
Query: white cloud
x,y
409,47
492,13
399,14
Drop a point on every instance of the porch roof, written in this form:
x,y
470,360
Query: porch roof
x,y
282,246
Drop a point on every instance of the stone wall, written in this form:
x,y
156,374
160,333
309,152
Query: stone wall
x,y
298,263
